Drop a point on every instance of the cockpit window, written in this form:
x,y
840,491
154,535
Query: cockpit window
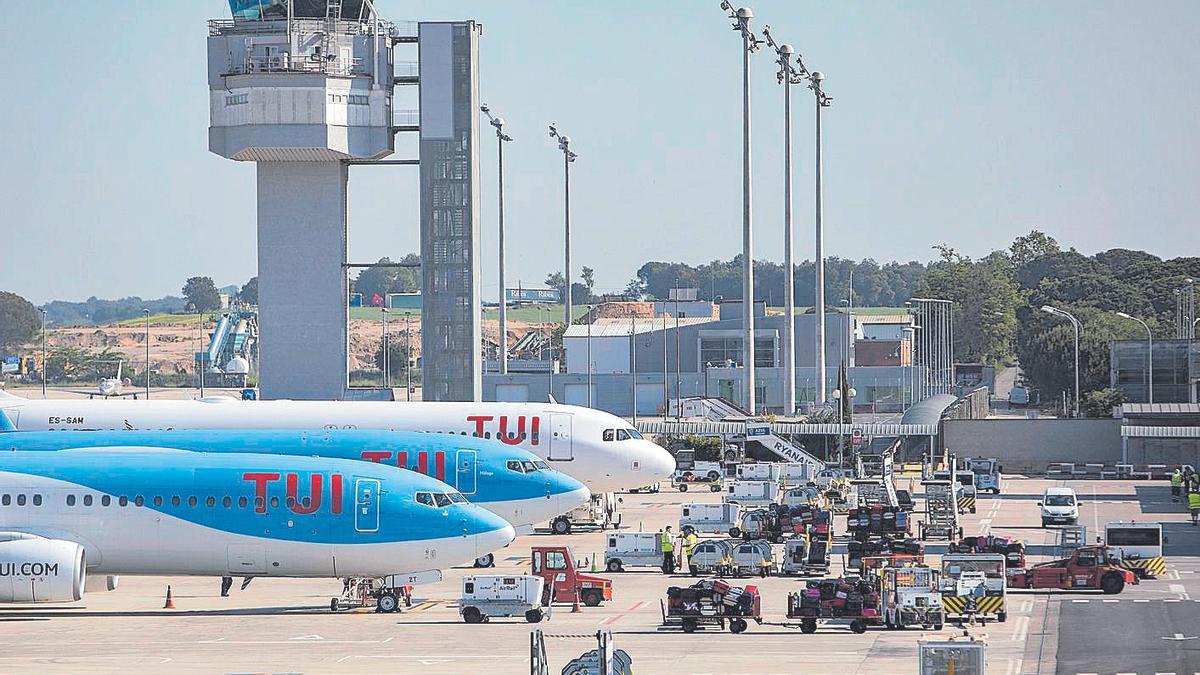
x,y
609,434
622,435
425,498
634,433
442,499
529,467
514,465
541,465
457,498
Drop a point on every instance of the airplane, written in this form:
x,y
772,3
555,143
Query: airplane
x,y
603,451
109,387
512,483
73,514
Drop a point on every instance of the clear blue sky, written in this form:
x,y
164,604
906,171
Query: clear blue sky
x,y
960,122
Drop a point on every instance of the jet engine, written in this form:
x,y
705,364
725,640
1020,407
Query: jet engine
x,y
37,569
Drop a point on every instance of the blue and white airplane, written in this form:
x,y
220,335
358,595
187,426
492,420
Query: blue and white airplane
x,y
74,513
508,481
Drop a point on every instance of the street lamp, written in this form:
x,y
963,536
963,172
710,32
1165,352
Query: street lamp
x,y
678,398
501,139
851,392
146,313
564,144
1150,358
1076,325
823,101
789,73
741,22
408,359
44,361
387,352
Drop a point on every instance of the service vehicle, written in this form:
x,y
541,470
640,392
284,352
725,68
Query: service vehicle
x,y
908,596
973,586
826,476
701,518
986,473
486,596
799,496
1059,505
564,581
712,602
1088,568
600,513
1139,547
752,492
632,549
685,483
796,473
687,466
759,471
1018,397
753,558
712,557
941,510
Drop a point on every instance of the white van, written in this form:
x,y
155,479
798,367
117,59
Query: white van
x,y
632,549
752,493
707,518
1059,506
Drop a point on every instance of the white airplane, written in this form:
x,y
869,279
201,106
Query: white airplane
x,y
603,451
110,387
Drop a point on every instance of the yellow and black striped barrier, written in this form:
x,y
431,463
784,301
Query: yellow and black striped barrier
x,y
966,503
963,605
1146,567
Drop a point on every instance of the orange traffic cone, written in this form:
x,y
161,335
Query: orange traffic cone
x,y
170,604
575,602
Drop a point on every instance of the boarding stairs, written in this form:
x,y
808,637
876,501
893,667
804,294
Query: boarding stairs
x,y
788,452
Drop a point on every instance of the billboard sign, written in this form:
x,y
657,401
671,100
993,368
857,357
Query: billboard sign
x,y
533,295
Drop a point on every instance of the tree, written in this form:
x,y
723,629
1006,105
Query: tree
x,y
1045,346
382,278
397,357
201,294
558,282
19,320
249,292
985,298
1031,247
1100,403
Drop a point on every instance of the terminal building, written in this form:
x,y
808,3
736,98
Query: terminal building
x,y
659,358
1176,370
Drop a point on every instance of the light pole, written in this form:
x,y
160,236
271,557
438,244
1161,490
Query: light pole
x,y
789,74
146,313
1076,325
199,353
501,139
912,377
750,43
823,101
1150,352
564,144
589,358
850,393
633,362
678,398
44,361
387,353
408,359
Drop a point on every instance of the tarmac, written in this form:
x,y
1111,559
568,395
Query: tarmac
x,y
286,626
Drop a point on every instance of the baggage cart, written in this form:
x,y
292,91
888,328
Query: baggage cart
x,y
806,555
846,601
712,602
941,511
753,558
712,557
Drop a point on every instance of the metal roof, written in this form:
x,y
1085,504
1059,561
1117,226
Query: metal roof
x,y
703,428
928,411
1160,409
1132,431
623,327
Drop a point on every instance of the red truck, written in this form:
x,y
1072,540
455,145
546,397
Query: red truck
x,y
564,580
1088,568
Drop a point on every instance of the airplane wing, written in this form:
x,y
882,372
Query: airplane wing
x,y
137,392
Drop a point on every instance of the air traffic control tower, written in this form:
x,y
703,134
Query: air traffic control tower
x,y
304,88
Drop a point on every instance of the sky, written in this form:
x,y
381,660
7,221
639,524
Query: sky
x,y
965,123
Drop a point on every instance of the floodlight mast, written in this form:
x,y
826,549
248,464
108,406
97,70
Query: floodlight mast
x,y
789,73
501,139
750,43
564,144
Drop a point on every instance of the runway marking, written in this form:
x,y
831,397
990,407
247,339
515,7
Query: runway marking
x,y
1141,601
637,606
1022,629
1110,601
1026,607
1080,601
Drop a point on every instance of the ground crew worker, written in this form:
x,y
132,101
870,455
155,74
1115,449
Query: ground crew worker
x,y
689,544
1176,484
668,551
1194,506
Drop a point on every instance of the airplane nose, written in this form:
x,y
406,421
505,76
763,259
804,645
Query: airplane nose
x,y
569,499
658,463
491,532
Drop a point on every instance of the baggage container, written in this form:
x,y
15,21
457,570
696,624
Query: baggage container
x,y
485,596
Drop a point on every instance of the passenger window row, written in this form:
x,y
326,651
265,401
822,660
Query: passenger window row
x,y
21,500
